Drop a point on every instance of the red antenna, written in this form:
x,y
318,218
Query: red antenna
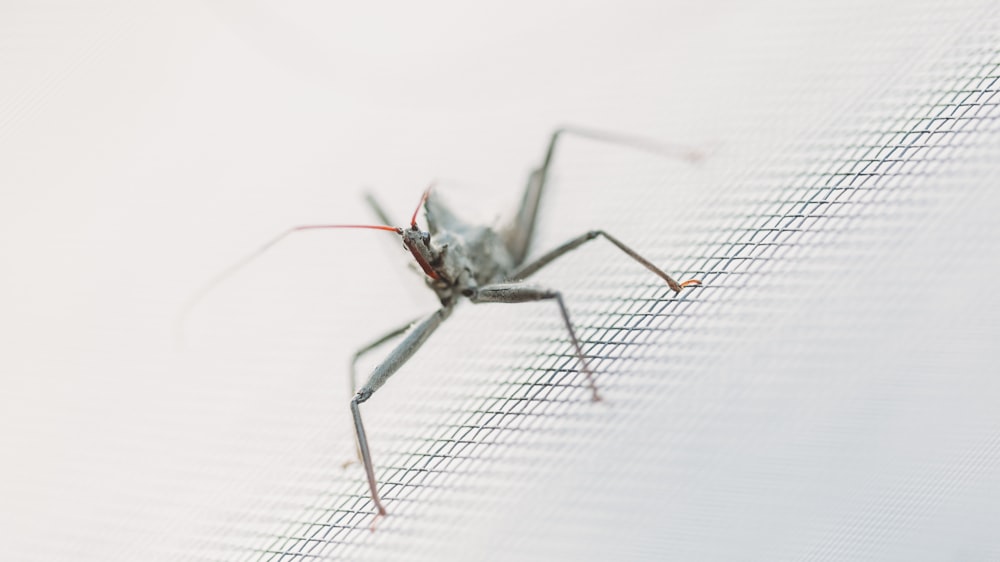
x,y
423,199
395,229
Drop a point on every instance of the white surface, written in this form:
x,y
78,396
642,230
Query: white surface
x,y
832,398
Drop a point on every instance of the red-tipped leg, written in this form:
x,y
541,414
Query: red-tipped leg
x,y
381,513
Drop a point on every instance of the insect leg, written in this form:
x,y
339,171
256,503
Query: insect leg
x,y
364,350
518,292
517,236
353,375
575,243
402,352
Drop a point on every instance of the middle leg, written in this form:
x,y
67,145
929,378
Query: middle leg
x,y
519,292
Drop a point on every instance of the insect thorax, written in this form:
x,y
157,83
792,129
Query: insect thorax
x,y
470,257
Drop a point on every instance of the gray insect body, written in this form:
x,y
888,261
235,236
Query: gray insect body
x,y
460,256
460,259
471,261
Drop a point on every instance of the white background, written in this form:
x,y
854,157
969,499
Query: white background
x,y
143,148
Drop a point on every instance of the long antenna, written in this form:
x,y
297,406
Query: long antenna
x,y
423,198
228,272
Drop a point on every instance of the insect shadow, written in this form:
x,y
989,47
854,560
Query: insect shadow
x,y
462,260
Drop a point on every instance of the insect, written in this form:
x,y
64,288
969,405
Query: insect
x,y
460,260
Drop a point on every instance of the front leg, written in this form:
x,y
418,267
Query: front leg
x,y
353,374
402,352
353,377
519,292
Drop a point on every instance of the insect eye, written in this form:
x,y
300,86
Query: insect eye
x,y
426,237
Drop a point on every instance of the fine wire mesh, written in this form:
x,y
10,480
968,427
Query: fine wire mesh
x,y
827,226
828,393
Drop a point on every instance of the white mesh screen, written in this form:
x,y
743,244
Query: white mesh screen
x,y
828,393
